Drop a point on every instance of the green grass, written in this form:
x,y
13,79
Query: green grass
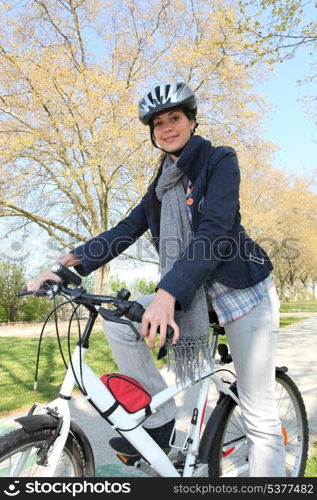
x,y
17,368
311,467
288,320
299,306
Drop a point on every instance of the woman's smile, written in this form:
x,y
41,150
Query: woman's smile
x,y
171,138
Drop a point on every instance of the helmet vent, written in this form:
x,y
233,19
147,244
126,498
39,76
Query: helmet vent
x,y
167,90
158,94
179,85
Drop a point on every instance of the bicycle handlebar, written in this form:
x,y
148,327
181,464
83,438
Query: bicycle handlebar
x,y
132,310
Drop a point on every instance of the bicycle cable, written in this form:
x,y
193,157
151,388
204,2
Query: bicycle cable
x,y
135,427
67,301
40,343
225,370
81,387
216,371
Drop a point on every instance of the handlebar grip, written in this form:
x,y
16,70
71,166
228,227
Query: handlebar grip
x,y
136,312
169,332
65,274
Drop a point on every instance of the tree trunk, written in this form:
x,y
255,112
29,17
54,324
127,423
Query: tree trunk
x,y
281,291
101,280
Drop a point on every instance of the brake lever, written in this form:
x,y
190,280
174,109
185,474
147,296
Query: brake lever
x,y
25,292
115,317
51,288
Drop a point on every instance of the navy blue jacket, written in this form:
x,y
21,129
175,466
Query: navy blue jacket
x,y
220,248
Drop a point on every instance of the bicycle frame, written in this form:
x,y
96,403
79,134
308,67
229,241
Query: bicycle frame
x,y
129,425
102,400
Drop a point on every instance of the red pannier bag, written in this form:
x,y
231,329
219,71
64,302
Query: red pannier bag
x,y
128,392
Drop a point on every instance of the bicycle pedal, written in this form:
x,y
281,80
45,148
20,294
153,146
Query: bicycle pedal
x,y
129,461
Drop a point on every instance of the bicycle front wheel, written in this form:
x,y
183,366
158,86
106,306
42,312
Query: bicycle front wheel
x,y
19,452
229,456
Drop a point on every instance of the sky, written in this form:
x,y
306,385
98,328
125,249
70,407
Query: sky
x,y
289,126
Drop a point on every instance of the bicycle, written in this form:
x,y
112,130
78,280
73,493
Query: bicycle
x,y
50,443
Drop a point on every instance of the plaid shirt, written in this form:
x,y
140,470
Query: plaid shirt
x,y
229,303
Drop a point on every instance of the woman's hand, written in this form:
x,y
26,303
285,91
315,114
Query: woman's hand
x,y
159,314
34,285
67,261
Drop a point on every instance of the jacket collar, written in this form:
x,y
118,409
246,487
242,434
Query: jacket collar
x,y
194,156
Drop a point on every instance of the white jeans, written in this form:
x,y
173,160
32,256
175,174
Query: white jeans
x,y
252,342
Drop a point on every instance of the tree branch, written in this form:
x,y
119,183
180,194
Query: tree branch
x,y
65,37
42,221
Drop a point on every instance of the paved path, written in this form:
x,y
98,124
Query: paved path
x,y
26,330
297,349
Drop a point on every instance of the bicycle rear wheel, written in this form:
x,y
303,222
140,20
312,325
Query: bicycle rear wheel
x,y
19,449
229,453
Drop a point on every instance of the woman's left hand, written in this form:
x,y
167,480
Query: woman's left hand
x,y
159,314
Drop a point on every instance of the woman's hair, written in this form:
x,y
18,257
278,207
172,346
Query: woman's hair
x,y
154,202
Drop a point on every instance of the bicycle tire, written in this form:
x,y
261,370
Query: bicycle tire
x,y
71,463
225,456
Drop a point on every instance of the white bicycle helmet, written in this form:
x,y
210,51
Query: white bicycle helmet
x,y
163,96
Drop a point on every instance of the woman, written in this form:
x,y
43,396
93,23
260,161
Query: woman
x,y
207,261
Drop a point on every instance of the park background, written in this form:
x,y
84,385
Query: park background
x,y
74,158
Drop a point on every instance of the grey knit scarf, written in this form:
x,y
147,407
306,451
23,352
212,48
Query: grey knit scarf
x,y
187,356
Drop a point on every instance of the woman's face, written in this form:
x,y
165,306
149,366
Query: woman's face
x,y
172,130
